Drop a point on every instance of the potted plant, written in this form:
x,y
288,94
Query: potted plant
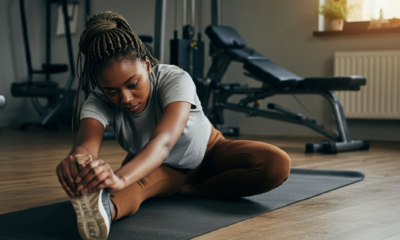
x,y
335,11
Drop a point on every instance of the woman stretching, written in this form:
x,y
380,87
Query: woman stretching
x,y
158,120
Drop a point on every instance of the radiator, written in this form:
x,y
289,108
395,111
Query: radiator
x,y
380,98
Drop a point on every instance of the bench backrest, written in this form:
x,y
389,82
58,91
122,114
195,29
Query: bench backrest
x,y
225,37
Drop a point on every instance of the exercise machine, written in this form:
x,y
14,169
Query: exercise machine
x,y
59,100
188,53
227,45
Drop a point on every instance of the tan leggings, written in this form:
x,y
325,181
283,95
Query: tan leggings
x,y
230,169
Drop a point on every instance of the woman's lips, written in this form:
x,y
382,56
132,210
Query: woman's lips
x,y
133,109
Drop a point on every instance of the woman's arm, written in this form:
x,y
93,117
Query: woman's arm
x,y
162,140
90,136
88,143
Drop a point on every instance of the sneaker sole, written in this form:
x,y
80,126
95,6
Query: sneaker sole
x,y
91,217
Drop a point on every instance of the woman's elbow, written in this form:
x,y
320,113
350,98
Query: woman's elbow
x,y
165,144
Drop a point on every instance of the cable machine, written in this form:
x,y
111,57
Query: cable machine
x,y
188,53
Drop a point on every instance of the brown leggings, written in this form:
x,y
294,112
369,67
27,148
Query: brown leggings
x,y
230,169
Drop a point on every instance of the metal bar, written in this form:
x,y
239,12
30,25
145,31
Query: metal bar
x,y
199,19
88,10
193,8
277,116
216,12
184,8
220,64
48,38
159,30
337,109
46,118
348,146
69,46
339,115
26,39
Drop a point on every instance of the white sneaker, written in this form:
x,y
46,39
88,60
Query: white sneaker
x,y
93,213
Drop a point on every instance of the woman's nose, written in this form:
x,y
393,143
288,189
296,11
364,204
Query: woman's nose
x,y
126,97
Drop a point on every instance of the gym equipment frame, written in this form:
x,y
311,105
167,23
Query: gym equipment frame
x,y
59,99
227,46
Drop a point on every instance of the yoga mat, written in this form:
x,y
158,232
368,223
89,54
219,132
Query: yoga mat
x,y
176,217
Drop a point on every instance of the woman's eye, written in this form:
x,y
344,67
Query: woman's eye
x,y
133,85
111,93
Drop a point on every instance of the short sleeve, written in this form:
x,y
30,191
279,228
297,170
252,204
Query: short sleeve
x,y
95,108
176,85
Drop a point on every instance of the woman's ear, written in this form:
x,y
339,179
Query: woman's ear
x,y
147,65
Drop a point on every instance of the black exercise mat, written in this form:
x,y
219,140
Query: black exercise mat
x,y
176,217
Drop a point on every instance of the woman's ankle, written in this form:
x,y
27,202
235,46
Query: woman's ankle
x,y
114,215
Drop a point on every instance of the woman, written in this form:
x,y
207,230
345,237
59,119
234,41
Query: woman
x,y
157,118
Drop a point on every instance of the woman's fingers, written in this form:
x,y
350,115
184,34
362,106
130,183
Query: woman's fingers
x,y
104,184
82,160
64,176
103,178
74,171
80,174
62,182
67,173
88,167
91,171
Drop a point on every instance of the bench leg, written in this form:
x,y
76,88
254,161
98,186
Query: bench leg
x,y
329,147
345,143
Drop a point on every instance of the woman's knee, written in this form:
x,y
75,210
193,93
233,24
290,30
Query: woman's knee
x,y
275,168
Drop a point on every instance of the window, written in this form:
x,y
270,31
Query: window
x,y
367,10
364,11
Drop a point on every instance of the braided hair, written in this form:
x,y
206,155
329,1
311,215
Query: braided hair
x,y
107,38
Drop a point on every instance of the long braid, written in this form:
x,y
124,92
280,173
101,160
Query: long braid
x,y
107,37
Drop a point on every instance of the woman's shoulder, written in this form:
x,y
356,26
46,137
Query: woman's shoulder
x,y
97,98
163,73
166,68
95,106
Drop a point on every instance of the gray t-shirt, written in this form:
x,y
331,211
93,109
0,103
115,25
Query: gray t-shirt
x,y
168,84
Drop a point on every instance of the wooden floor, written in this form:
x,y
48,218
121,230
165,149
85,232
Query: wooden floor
x,y
365,210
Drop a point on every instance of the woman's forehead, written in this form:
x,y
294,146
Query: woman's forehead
x,y
121,71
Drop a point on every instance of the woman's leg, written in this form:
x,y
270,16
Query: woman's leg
x,y
164,181
237,168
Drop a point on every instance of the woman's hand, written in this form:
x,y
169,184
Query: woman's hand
x,y
68,170
97,175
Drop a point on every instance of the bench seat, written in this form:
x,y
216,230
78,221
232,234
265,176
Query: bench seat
x,y
272,74
334,83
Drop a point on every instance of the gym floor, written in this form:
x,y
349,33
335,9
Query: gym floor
x,y
365,210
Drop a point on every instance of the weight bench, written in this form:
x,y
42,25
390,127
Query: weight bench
x,y
226,46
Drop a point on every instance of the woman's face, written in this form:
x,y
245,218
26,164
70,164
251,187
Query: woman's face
x,y
127,84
